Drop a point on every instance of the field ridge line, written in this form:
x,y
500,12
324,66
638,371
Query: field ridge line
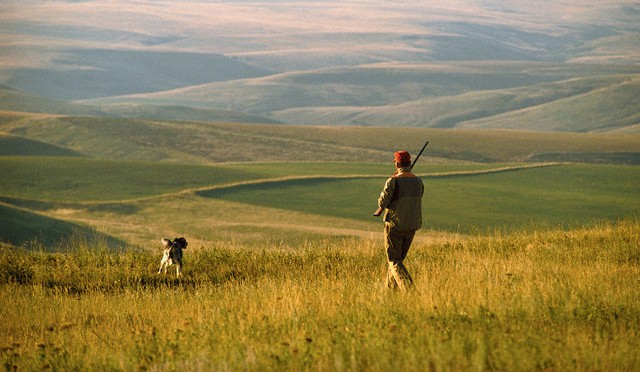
x,y
265,181
365,176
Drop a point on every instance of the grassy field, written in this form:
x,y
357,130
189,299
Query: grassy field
x,y
520,265
60,179
207,143
529,257
544,300
570,194
136,202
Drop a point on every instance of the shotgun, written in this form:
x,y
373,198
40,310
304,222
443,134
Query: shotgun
x,y
378,211
420,153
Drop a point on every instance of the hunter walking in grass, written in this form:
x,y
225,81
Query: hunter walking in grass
x,y
401,202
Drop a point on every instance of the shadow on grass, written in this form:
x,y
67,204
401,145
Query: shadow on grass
x,y
22,228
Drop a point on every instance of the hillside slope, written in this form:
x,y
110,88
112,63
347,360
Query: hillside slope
x,y
22,227
423,95
610,107
17,146
182,113
16,100
93,73
601,100
199,143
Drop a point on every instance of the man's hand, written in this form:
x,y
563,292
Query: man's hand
x,y
378,212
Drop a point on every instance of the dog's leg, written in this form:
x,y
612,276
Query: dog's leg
x,y
164,265
178,269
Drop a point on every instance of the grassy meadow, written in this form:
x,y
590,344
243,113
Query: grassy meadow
x,y
544,300
521,265
267,148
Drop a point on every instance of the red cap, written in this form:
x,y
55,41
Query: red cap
x,y
402,157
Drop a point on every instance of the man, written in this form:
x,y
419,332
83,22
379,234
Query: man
x,y
401,201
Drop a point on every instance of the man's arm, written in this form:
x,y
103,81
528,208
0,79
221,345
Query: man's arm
x,y
385,196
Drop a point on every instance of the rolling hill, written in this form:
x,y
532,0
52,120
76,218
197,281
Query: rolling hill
x,y
20,101
483,95
182,113
552,66
606,100
135,179
599,101
205,143
21,227
16,146
93,73
12,100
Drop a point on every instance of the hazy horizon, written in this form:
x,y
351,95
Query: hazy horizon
x,y
85,50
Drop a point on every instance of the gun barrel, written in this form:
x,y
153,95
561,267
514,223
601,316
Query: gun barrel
x,y
420,153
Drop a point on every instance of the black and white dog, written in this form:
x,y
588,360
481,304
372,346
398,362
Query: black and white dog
x,y
172,254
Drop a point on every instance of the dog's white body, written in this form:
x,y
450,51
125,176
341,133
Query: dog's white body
x,y
172,254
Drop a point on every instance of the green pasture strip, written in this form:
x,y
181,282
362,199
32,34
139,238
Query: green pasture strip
x,y
465,144
204,143
19,146
357,169
20,227
73,179
544,300
563,195
65,179
557,195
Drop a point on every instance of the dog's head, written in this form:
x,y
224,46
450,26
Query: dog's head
x,y
177,242
180,243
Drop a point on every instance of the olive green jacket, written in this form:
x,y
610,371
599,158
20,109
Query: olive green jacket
x,y
401,199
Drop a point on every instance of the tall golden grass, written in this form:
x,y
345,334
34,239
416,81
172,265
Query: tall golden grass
x,y
548,299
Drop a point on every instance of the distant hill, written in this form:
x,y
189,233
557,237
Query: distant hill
x,y
17,146
613,106
205,143
539,66
94,73
16,100
182,113
598,103
12,100
455,95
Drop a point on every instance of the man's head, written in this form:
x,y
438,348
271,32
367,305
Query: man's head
x,y
402,159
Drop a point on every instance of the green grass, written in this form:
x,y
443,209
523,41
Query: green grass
x,y
610,106
73,179
547,300
206,143
568,194
24,228
16,146
63,179
563,195
137,201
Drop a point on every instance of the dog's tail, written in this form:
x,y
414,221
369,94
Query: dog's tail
x,y
166,242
